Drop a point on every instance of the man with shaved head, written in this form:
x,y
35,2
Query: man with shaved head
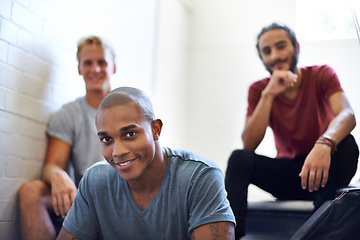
x,y
145,191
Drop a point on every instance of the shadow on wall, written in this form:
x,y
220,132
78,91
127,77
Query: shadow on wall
x,y
27,106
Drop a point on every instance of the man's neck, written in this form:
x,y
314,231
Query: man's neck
x,y
145,189
154,175
94,98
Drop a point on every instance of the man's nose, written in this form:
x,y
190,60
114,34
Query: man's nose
x,y
96,67
275,55
119,149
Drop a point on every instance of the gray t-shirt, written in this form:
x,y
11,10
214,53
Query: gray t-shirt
x,y
74,124
192,194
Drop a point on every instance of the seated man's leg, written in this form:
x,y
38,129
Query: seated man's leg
x,y
34,202
276,176
237,179
343,166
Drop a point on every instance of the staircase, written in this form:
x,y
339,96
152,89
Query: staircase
x,y
275,219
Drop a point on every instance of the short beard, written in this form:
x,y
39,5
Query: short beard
x,y
293,65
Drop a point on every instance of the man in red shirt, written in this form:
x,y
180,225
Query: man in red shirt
x,y
311,119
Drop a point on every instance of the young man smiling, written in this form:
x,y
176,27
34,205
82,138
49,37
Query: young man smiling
x,y
71,140
145,191
311,119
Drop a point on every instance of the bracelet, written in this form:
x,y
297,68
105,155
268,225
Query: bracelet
x,y
329,141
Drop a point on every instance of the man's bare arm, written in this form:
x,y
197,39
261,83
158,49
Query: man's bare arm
x,y
256,124
345,121
57,155
63,189
315,170
65,235
214,231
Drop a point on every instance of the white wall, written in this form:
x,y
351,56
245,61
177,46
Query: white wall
x,y
224,62
171,71
38,74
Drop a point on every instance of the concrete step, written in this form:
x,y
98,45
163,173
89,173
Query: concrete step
x,y
270,220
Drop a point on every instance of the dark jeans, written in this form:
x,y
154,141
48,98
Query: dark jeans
x,y
57,221
280,177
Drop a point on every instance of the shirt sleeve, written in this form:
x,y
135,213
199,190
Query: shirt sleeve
x,y
61,125
254,95
329,81
208,199
80,220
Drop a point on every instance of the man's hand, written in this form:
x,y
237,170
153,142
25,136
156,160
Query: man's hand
x,y
280,81
63,191
315,171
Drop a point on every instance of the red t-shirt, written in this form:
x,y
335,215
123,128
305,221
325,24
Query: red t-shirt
x,y
298,123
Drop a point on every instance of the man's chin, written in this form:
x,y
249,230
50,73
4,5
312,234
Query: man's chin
x,y
271,70
95,88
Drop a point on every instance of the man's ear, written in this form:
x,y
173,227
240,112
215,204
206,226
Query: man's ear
x,y
156,126
297,48
79,69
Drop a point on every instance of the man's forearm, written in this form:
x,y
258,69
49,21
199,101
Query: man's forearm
x,y
48,171
257,123
341,126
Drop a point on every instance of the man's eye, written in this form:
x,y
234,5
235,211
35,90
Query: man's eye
x,y
266,52
87,63
130,134
102,63
106,139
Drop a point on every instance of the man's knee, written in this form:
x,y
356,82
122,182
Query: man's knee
x,y
241,159
346,157
33,191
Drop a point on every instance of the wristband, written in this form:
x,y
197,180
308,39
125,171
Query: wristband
x,y
329,141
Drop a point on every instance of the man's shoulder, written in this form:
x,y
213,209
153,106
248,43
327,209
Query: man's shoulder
x,y
71,110
100,173
190,169
318,75
188,157
316,68
100,166
74,105
260,84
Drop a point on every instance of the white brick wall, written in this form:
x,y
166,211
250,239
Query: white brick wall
x,y
38,74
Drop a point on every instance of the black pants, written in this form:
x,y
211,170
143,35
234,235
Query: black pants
x,y
280,177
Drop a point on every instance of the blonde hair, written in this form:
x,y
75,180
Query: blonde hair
x,y
94,40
